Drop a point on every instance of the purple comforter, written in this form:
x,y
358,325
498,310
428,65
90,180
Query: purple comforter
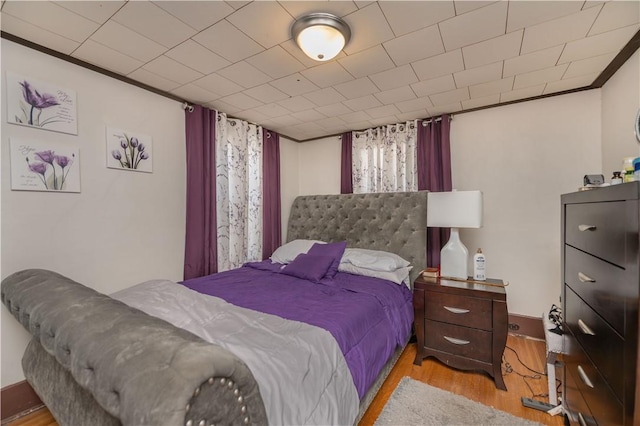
x,y
368,317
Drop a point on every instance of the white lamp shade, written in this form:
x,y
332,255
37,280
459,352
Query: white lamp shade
x,y
456,209
321,42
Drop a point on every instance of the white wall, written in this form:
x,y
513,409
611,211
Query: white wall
x,y
620,104
289,179
522,156
124,227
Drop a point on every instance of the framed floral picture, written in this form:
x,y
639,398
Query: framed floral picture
x,y
34,103
44,166
127,150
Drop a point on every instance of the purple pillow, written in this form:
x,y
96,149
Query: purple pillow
x,y
308,267
334,250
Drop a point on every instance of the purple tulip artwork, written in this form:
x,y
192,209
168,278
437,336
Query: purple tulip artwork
x,y
42,105
40,166
128,150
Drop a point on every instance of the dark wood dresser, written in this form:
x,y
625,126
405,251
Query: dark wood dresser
x,y
600,305
462,324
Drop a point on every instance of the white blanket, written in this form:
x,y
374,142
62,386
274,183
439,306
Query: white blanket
x,y
302,374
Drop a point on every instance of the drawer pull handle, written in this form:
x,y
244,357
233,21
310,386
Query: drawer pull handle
x,y
456,341
581,420
583,228
456,310
585,328
585,278
584,377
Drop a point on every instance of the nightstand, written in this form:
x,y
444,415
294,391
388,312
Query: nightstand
x,y
462,324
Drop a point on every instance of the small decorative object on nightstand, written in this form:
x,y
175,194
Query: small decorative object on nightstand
x,y
463,324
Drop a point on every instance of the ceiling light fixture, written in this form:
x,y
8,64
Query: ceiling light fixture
x,y
321,36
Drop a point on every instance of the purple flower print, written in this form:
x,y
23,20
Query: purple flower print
x,y
133,152
134,142
116,154
37,102
46,156
124,143
62,161
49,159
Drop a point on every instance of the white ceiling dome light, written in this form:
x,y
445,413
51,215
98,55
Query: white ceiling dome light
x,y
321,36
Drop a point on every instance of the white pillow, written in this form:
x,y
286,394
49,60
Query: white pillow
x,y
289,251
399,276
373,259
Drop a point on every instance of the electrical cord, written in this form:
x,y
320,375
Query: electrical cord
x,y
525,377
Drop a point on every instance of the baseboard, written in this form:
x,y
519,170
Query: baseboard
x,y
526,326
16,399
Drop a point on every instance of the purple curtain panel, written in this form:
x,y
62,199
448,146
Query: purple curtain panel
x,y
346,164
271,211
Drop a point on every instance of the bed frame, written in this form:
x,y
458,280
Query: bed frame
x,y
94,360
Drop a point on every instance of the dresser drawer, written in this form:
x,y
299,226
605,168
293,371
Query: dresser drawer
x,y
603,406
454,309
593,227
457,340
602,285
575,406
604,346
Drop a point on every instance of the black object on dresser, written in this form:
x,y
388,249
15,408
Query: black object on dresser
x,y
600,301
462,324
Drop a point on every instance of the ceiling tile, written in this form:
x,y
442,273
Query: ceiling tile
x,y
616,14
37,35
394,78
415,46
372,28
197,57
491,88
356,117
356,88
472,27
527,92
266,93
365,102
414,105
295,51
437,110
155,80
383,121
308,115
297,9
272,110
407,16
558,31
276,62
538,60
527,13
382,111
285,120
109,59
324,97
327,74
435,85
120,38
367,62
478,75
297,103
464,6
173,70
440,65
244,74
598,44
194,94
334,110
413,115
596,65
149,20
236,47
197,14
570,83
480,102
493,50
392,96
97,11
51,17
251,115
268,32
218,84
450,97
294,85
242,101
221,106
237,4
535,78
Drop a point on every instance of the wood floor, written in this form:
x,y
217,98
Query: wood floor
x,y
476,386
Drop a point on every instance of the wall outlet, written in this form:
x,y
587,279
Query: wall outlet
x,y
513,326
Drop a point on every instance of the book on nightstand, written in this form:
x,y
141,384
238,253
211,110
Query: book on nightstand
x,y
431,273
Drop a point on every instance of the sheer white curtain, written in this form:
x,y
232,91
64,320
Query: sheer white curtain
x,y
384,159
239,192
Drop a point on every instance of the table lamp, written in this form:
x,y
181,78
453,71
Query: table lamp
x,y
456,209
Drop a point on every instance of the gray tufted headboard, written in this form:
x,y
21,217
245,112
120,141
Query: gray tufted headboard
x,y
395,222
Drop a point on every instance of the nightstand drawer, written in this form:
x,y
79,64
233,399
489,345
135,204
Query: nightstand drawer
x,y
603,345
454,309
593,228
602,285
457,340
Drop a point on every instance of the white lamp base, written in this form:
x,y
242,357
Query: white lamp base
x,y
454,257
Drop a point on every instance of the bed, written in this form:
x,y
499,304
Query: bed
x,y
135,358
